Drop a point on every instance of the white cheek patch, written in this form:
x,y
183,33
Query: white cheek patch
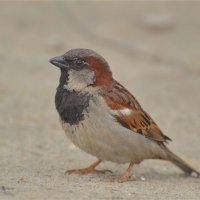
x,y
78,80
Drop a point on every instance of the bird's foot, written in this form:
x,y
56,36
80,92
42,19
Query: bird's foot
x,y
87,170
125,177
121,179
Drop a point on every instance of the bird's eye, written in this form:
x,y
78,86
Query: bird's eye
x,y
78,62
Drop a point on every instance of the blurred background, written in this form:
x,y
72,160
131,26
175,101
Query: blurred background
x,y
152,48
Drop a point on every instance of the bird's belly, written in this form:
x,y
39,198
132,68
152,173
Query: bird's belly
x,y
100,135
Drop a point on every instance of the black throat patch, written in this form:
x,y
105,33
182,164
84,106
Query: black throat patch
x,y
70,104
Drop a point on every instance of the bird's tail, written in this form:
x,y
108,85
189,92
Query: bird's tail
x,y
182,164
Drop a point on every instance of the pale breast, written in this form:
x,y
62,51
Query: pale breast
x,y
101,135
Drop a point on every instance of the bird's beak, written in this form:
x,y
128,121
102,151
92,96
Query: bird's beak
x,y
59,61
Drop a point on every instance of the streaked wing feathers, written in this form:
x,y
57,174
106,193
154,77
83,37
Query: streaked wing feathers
x,y
118,98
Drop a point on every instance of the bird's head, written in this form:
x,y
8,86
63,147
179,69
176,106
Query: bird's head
x,y
81,68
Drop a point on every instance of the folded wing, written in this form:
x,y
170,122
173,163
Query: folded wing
x,y
128,112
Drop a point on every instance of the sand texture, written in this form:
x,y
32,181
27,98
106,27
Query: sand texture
x,y
152,48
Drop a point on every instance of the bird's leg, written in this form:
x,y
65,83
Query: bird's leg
x,y
127,174
125,177
87,170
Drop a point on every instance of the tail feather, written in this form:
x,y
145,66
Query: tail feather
x,y
182,164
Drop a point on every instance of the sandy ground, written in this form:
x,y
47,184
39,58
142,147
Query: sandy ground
x,y
153,49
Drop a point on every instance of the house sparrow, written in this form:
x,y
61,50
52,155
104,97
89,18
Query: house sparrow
x,y
103,118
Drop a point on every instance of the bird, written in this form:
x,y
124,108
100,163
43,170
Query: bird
x,y
102,118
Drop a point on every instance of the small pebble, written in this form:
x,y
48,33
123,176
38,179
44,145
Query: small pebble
x,y
142,178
